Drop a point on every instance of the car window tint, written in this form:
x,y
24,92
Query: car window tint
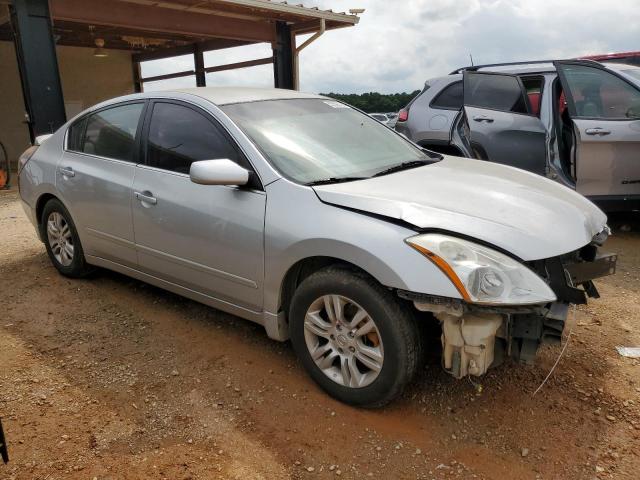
x,y
497,92
111,133
179,135
74,136
597,93
450,97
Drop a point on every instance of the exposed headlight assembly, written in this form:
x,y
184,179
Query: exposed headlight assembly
x,y
483,275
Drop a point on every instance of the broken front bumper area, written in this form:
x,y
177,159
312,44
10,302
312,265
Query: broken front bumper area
x,y
477,337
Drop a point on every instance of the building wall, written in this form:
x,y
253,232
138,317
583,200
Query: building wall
x,y
86,80
14,134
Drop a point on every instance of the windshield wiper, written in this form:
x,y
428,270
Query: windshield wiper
x,y
327,181
403,166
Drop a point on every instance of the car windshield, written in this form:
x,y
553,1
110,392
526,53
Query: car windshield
x,y
311,140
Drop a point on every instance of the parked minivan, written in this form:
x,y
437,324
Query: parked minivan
x,y
314,220
575,121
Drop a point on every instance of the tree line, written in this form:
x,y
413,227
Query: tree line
x,y
375,102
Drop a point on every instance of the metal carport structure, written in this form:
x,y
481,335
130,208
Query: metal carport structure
x,y
150,30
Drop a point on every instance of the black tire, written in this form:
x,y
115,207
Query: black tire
x,y
394,320
78,267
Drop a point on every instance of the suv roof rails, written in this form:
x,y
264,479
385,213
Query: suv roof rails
x,y
474,68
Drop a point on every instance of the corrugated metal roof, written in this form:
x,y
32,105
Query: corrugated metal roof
x,y
349,17
281,10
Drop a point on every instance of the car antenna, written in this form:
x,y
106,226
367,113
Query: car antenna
x,y
471,58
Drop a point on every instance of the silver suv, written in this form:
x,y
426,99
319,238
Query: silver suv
x,y
575,121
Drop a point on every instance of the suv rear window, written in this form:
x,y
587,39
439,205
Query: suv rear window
x,y
497,92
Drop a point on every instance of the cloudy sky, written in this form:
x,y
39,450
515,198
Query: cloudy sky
x,y
398,44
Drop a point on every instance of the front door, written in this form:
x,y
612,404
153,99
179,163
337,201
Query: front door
x,y
95,175
501,124
207,238
605,111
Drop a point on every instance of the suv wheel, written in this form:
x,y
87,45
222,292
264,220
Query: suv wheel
x,y
354,337
62,241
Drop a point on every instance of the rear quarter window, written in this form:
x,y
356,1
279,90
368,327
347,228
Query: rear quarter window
x,y
75,134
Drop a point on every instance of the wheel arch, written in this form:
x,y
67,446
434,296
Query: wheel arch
x,y
42,200
304,268
313,255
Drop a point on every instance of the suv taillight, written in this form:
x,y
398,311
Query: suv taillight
x,y
403,115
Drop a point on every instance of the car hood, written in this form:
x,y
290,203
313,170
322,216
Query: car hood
x,y
520,212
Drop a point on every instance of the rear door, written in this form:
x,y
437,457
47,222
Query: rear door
x,y
94,178
500,125
605,112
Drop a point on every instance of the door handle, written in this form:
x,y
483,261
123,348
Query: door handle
x,y
146,197
67,171
483,118
597,131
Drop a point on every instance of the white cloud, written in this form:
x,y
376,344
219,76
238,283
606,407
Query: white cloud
x,y
399,44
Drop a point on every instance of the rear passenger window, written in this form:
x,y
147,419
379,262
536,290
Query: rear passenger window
x,y
111,133
497,92
179,136
450,98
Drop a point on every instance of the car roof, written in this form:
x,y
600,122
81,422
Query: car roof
x,y
617,66
228,95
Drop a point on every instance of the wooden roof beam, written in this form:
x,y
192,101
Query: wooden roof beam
x,y
155,19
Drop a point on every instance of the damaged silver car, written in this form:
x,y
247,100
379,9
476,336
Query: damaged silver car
x,y
307,216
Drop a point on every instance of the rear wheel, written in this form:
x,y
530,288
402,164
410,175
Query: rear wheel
x,y
354,337
62,241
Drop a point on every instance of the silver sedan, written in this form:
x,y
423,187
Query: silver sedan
x,y
304,215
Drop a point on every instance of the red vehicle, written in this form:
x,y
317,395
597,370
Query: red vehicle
x,y
630,58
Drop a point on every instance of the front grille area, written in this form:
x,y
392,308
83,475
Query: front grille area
x,y
570,275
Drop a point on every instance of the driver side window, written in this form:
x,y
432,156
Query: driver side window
x,y
179,135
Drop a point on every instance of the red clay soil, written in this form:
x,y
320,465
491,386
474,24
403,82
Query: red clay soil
x,y
110,378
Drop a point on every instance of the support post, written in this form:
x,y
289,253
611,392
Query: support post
x,y
198,62
296,53
283,68
137,84
38,66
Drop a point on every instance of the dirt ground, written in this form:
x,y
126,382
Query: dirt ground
x,y
110,378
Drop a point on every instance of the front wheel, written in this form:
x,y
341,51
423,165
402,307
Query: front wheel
x,y
354,337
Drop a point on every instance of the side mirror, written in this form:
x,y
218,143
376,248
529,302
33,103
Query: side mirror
x,y
218,172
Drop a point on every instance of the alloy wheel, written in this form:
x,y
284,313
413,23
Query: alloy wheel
x,y
60,238
343,341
